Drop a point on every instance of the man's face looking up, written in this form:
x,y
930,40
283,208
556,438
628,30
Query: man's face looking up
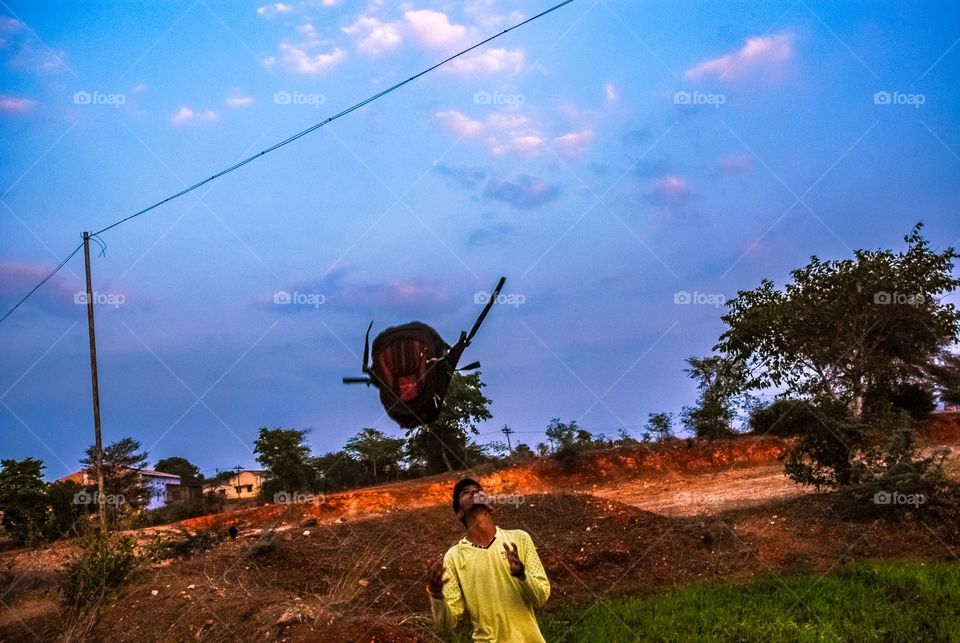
x,y
472,496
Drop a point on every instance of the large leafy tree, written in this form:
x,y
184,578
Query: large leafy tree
x,y
855,338
24,501
285,454
377,451
189,473
842,328
442,445
122,461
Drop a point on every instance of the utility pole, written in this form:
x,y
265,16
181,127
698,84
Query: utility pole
x,y
98,444
506,430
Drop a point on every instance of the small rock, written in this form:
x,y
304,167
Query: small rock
x,y
306,532
364,582
154,593
191,586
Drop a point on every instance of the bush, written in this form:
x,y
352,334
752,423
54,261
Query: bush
x,y
106,563
182,544
783,418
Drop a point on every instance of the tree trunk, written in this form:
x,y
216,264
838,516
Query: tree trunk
x,y
443,454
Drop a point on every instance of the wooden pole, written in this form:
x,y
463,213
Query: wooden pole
x,y
98,444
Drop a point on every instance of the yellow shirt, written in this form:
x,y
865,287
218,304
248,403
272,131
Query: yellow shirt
x,y
500,606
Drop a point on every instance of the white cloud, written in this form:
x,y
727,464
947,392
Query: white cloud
x,y
187,116
489,61
11,105
301,61
433,29
460,125
503,132
759,54
611,92
375,36
273,9
238,100
670,190
573,144
734,163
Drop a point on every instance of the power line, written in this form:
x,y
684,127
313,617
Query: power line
x,y
285,141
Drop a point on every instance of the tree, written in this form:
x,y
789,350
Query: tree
x,y
855,338
523,452
373,447
442,444
561,434
24,501
841,328
660,425
122,484
338,470
189,473
720,382
284,454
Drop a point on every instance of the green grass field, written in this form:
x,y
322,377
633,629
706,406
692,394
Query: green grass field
x,y
863,602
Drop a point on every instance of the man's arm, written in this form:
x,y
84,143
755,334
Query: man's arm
x,y
446,604
534,586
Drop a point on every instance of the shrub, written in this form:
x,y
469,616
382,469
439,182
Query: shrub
x,y
105,563
783,418
182,544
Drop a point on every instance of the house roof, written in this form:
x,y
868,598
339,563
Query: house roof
x,y
82,477
158,474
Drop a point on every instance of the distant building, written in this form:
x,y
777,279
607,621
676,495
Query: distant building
x,y
155,483
244,484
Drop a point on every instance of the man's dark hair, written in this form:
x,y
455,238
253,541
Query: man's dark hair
x,y
457,488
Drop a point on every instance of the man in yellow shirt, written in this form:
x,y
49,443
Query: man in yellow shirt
x,y
494,574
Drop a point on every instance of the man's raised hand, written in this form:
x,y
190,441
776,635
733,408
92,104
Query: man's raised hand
x,y
435,579
516,565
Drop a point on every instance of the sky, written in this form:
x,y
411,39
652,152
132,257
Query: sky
x,y
628,166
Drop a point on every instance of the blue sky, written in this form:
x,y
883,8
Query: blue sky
x,y
614,160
